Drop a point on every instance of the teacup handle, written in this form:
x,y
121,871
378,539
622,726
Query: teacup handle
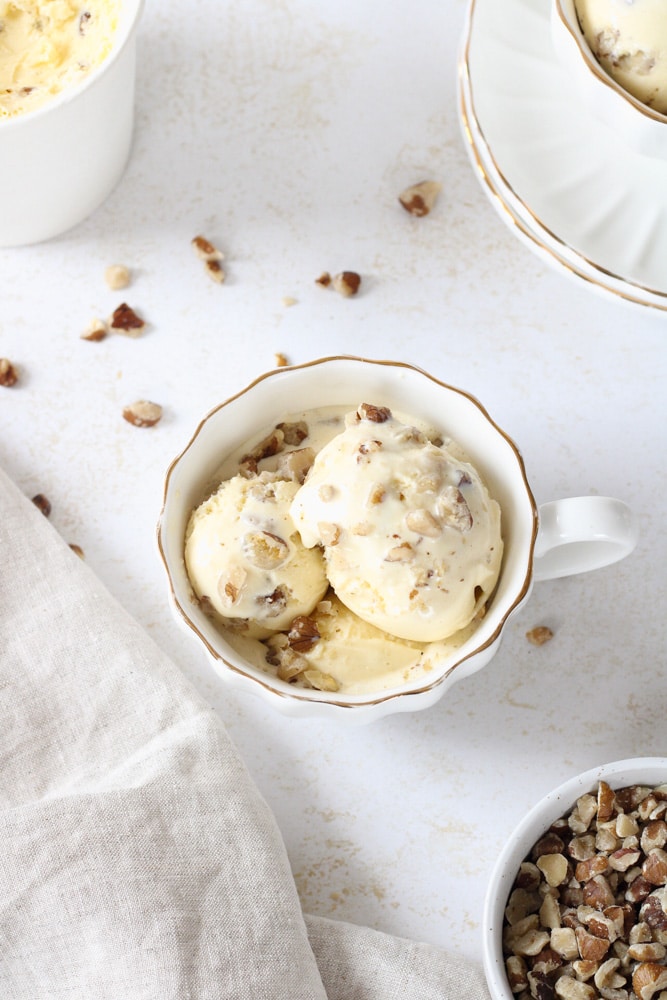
x,y
580,534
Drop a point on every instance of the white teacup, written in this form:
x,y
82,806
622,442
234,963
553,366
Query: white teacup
x,y
575,535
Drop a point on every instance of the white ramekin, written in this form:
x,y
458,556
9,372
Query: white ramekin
x,y
59,162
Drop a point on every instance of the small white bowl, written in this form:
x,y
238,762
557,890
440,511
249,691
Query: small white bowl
x,y
649,771
59,162
637,125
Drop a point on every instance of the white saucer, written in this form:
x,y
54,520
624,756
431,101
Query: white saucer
x,y
560,179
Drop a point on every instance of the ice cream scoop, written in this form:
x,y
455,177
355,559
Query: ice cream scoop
x,y
629,40
245,559
48,45
410,535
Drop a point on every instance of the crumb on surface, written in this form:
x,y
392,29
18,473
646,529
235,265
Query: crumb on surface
x,y
539,635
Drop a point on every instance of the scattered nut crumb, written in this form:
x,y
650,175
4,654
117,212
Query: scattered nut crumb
x,y
376,414
117,276
211,256
42,503
125,320
95,331
143,413
324,279
205,250
215,270
76,549
419,199
539,635
289,300
9,376
347,283
281,360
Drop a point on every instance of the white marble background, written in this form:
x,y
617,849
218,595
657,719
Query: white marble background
x,y
284,131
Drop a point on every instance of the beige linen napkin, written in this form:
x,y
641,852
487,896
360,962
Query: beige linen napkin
x,y
137,858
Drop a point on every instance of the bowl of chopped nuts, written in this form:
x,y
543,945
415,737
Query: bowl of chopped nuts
x,y
67,75
577,902
348,537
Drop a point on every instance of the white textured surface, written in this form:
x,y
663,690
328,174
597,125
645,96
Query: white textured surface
x,y
284,132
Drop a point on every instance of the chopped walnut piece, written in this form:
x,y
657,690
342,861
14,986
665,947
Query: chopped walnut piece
x,y
539,635
454,509
274,603
290,664
9,375
95,331
654,868
206,250
367,448
324,279
117,276
347,283
303,633
554,867
329,533
376,414
143,413
648,979
264,549
281,360
270,445
42,503
125,320
422,522
653,835
76,549
517,973
296,464
320,680
376,495
400,553
211,256
419,199
294,432
215,270
229,589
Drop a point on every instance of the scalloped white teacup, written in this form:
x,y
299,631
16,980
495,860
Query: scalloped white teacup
x,y
561,538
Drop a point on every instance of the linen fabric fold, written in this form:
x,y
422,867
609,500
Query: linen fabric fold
x,y
138,859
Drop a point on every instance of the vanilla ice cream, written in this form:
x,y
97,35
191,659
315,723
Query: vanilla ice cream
x,y
48,45
358,546
410,535
629,40
245,559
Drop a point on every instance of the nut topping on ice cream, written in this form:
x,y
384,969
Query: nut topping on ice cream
x,y
629,40
432,555
243,554
399,530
